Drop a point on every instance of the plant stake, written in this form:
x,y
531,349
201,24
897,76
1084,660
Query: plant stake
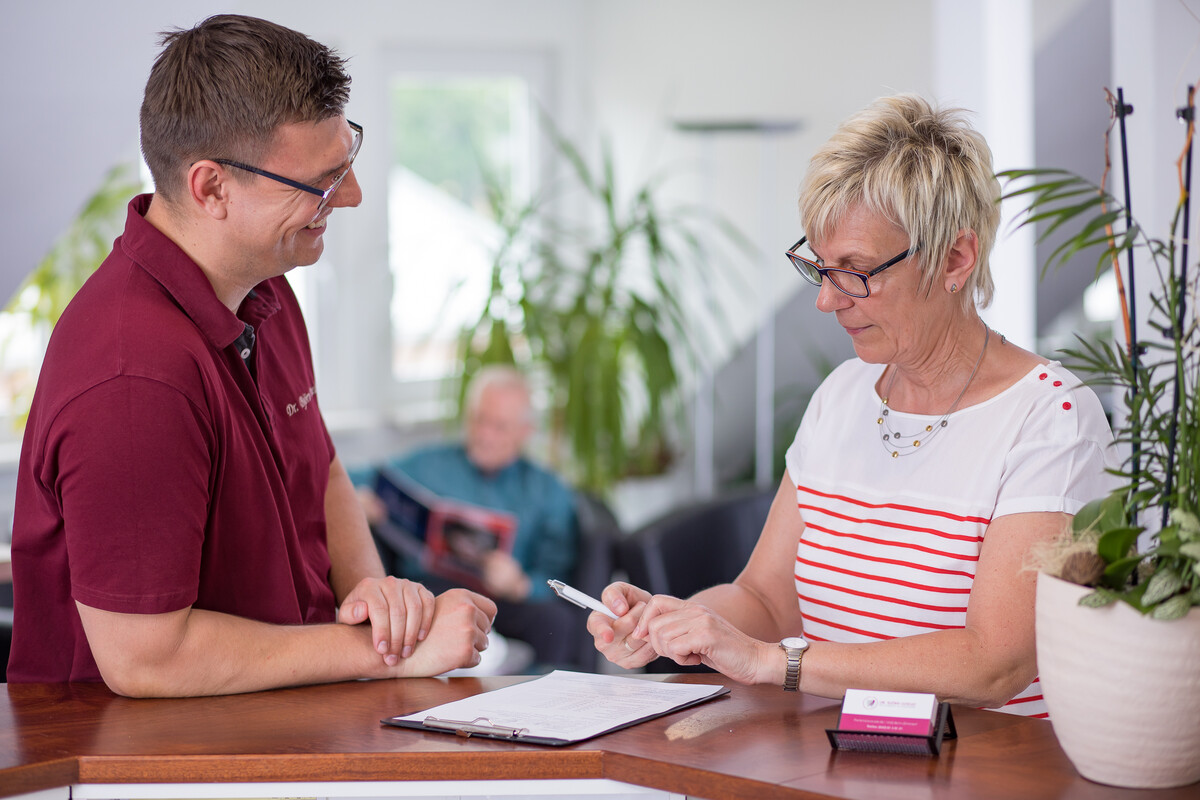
x,y
1122,110
1188,115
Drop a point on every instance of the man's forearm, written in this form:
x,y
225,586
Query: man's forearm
x,y
195,652
352,552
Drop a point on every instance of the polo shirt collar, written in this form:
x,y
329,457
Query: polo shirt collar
x,y
185,282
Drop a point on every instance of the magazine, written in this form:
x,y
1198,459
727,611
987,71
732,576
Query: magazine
x,y
453,537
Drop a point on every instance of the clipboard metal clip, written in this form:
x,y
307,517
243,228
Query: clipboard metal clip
x,y
481,725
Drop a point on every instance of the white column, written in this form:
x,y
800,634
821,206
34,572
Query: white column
x,y
764,370
984,63
704,419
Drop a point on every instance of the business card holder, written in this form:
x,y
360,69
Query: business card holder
x,y
902,743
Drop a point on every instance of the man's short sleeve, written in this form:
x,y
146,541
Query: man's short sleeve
x,y
134,464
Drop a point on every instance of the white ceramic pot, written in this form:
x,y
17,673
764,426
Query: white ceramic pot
x,y
1123,690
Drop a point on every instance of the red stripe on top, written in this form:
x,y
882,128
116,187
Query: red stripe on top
x,y
893,543
897,506
892,561
881,617
869,634
896,600
881,579
886,524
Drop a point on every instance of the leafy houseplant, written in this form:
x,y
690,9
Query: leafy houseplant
x,y
594,313
71,260
1117,624
1158,379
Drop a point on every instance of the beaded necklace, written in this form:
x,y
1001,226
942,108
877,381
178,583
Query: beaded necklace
x,y
902,445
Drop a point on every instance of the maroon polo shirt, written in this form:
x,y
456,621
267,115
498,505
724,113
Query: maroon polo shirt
x,y
161,469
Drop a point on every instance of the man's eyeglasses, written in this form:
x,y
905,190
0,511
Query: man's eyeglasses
x,y
324,194
847,281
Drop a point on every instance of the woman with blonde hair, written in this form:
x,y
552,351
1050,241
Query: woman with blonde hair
x,y
924,469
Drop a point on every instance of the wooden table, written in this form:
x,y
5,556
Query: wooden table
x,y
756,742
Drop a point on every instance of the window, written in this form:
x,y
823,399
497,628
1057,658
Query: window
x,y
22,346
450,137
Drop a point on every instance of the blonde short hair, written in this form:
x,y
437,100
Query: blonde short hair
x,y
924,169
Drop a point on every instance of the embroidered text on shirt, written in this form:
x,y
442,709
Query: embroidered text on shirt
x,y
302,402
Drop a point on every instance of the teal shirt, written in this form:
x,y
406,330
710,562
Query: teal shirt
x,y
546,541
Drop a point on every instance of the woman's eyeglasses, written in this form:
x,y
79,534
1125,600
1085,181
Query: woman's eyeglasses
x,y
847,281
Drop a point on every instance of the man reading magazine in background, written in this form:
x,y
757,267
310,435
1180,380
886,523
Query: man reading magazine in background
x,y
488,468
177,531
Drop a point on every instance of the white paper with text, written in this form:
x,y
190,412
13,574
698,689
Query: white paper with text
x,y
571,706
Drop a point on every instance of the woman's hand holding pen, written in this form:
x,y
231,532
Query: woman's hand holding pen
x,y
649,626
612,637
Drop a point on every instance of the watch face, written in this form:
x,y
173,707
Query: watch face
x,y
794,643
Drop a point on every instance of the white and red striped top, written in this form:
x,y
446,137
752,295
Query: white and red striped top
x,y
890,545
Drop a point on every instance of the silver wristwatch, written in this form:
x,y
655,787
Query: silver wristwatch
x,y
793,647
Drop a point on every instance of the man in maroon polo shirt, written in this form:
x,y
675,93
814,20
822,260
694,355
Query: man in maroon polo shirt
x,y
183,525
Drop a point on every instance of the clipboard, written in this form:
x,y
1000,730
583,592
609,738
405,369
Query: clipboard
x,y
560,708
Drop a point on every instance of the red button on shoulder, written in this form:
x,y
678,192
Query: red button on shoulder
x,y
1043,376
1058,383
1066,406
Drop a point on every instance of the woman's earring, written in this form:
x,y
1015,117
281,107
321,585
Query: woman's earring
x,y
953,288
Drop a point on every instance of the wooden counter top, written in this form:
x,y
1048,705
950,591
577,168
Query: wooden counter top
x,y
756,742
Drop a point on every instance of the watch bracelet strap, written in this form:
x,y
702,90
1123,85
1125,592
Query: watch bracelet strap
x,y
791,678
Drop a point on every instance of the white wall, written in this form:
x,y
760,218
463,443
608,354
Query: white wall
x,y
70,110
626,68
1155,58
815,63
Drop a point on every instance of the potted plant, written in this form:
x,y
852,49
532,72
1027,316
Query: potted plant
x,y
1118,623
593,312
74,256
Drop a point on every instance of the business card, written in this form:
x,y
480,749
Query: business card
x,y
888,712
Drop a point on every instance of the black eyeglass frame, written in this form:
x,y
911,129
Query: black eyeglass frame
x,y
798,261
324,194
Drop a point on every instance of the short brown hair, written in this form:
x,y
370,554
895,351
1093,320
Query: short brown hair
x,y
222,88
925,169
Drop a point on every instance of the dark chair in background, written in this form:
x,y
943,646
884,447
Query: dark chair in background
x,y
599,536
6,609
693,548
6,627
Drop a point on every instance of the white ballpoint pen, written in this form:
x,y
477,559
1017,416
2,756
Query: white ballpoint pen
x,y
573,595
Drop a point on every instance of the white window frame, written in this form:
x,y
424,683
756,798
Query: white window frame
x,y
349,291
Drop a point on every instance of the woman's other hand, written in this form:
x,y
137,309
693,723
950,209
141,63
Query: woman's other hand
x,y
689,633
